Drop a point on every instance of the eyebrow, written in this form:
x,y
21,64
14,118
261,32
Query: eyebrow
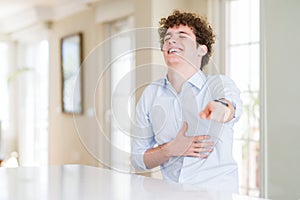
x,y
178,32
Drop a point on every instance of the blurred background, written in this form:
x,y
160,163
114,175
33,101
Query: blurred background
x,y
118,53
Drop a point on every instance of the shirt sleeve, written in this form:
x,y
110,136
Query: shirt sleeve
x,y
143,136
223,87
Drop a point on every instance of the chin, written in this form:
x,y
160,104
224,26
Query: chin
x,y
174,62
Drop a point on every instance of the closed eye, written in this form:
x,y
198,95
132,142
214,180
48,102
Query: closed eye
x,y
183,35
167,38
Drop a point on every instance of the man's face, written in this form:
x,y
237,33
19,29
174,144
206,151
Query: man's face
x,y
180,47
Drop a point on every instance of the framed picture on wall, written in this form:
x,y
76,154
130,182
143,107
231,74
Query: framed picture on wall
x,y
71,58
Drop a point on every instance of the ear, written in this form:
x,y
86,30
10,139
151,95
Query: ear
x,y
202,50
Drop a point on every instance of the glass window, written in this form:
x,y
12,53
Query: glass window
x,y
32,102
4,100
242,64
121,76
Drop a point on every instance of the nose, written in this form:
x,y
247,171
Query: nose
x,y
172,40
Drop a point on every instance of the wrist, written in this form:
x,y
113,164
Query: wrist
x,y
166,149
232,110
222,101
229,105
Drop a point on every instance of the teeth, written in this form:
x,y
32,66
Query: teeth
x,y
173,51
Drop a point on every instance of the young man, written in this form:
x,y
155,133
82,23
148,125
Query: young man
x,y
184,122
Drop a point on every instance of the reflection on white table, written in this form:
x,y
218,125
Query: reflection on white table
x,y
72,182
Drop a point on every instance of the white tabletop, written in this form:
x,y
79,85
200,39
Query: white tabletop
x,y
74,182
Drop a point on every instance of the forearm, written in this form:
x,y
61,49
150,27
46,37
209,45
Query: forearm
x,y
156,156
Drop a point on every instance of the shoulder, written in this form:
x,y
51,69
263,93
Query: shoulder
x,y
220,80
218,77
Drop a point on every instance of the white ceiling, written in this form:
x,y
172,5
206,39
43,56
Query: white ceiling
x,y
12,7
17,14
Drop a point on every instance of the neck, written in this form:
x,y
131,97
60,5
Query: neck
x,y
178,77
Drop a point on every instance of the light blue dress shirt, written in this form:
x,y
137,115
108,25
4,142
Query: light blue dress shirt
x,y
160,114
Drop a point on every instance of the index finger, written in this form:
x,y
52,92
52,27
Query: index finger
x,y
201,137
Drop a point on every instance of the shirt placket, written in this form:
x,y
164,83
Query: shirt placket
x,y
189,108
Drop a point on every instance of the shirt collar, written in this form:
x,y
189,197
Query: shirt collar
x,y
197,80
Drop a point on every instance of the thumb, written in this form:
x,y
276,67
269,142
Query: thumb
x,y
183,128
202,115
205,113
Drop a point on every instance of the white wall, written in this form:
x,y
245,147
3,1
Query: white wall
x,y
282,86
66,139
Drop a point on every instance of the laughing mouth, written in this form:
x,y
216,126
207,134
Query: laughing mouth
x,y
174,51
